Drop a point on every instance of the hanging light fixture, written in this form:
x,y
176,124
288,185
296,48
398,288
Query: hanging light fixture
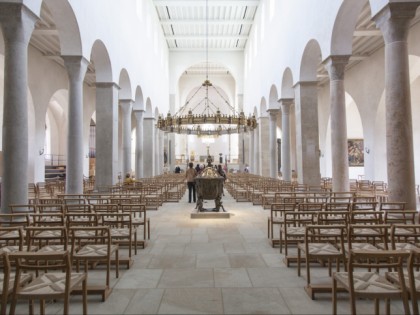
x,y
210,122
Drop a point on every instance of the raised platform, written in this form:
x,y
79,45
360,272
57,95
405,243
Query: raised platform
x,y
210,215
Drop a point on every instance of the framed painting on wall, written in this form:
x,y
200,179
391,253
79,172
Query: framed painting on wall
x,y
355,152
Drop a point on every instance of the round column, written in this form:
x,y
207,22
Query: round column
x,y
17,24
251,152
138,114
285,140
273,142
393,20
340,161
76,69
126,107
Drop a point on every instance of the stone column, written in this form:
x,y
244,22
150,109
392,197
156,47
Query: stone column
x,y
251,152
157,152
257,161
138,114
17,23
278,163
307,134
340,161
273,142
286,169
265,156
126,109
106,134
241,151
160,151
149,146
171,149
393,20
76,69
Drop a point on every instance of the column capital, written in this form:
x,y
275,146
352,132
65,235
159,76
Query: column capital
x,y
394,18
17,22
336,65
286,101
76,66
305,84
138,111
273,111
124,101
105,85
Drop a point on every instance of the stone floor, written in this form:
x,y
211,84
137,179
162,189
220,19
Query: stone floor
x,y
210,266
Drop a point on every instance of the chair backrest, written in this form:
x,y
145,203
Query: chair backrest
x,y
392,205
368,205
407,233
11,235
74,219
91,235
310,206
137,210
81,208
333,234
41,262
15,219
337,206
48,219
39,236
374,234
50,208
300,218
400,216
104,208
333,218
366,217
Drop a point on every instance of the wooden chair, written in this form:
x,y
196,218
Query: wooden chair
x,y
276,218
362,237
371,284
138,217
321,242
11,239
293,230
47,238
94,245
122,232
56,281
7,280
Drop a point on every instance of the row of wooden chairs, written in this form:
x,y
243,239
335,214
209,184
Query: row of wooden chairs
x,y
387,213
39,275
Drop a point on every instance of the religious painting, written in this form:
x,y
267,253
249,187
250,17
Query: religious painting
x,y
355,151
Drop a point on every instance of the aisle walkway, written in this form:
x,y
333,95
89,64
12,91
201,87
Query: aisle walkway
x,y
212,266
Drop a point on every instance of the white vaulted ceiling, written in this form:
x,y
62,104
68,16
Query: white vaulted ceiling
x,y
184,23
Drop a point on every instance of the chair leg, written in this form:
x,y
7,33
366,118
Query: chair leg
x,y
84,287
298,261
308,272
377,307
334,296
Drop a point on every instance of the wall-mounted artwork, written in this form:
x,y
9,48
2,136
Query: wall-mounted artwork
x,y
356,153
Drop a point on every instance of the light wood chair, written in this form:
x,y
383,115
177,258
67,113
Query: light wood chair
x,y
371,284
276,218
321,242
7,280
54,279
94,245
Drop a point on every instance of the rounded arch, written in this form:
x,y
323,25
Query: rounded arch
x,y
138,100
67,26
156,115
311,59
344,26
125,86
102,62
287,90
273,98
149,112
263,107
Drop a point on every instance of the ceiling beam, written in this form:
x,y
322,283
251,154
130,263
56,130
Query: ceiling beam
x,y
202,3
204,36
203,21
45,31
182,49
365,32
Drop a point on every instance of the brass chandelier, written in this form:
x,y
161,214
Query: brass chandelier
x,y
210,122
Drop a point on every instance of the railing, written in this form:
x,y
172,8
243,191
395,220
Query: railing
x,y
55,159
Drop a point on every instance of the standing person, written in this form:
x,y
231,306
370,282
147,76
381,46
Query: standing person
x,y
190,175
